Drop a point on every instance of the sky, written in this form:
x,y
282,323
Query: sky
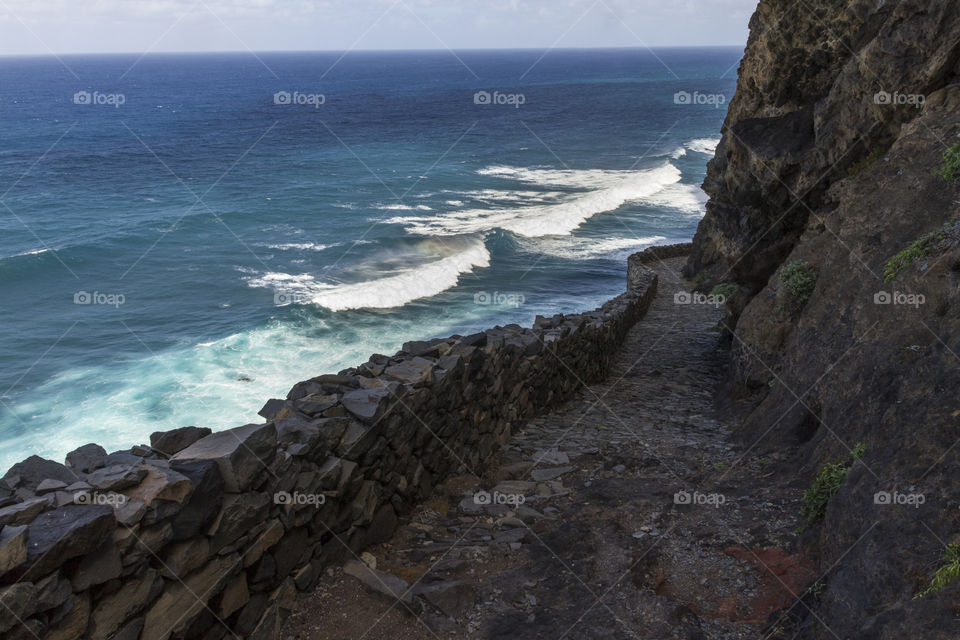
x,y
29,27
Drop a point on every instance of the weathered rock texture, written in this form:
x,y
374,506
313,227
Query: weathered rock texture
x,y
211,535
827,159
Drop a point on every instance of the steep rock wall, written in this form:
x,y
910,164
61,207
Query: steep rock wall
x,y
843,112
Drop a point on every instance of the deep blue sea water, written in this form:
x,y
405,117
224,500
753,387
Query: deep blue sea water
x,y
176,247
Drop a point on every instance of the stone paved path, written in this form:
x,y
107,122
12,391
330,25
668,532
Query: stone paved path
x,y
628,513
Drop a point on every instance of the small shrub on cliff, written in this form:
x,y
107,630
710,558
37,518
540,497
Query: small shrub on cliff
x,y
799,278
950,171
826,485
947,573
726,289
919,248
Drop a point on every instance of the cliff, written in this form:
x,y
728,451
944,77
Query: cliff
x,y
829,219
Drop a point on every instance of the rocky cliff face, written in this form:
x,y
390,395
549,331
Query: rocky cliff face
x,y
826,213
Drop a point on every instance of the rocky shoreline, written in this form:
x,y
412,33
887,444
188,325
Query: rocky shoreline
x,y
205,535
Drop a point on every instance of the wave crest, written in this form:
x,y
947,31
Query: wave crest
x,y
607,191
413,283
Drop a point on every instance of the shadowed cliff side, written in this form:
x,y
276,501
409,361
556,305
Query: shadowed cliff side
x,y
834,216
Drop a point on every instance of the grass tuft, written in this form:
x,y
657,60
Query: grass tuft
x,y
827,484
950,171
947,573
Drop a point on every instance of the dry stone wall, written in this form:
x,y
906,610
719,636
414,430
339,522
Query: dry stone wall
x,y
210,535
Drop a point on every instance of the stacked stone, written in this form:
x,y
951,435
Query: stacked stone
x,y
209,535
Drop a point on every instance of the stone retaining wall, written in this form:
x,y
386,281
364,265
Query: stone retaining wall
x,y
204,535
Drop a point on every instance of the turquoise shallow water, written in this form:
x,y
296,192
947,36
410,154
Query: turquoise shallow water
x,y
185,238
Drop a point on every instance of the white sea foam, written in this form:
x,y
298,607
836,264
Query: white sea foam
x,y
607,191
386,291
586,248
34,252
703,145
687,198
299,246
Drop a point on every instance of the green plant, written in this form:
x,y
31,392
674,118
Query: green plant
x,y
799,277
919,248
947,573
725,289
950,171
826,485
720,466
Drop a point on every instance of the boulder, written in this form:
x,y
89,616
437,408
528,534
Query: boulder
x,y
74,623
133,596
276,409
297,431
418,371
240,453
98,567
49,486
204,503
238,515
116,477
13,547
52,592
129,512
34,470
159,483
180,558
316,403
280,604
173,442
19,603
270,536
235,596
64,533
181,602
367,404
291,551
87,458
23,512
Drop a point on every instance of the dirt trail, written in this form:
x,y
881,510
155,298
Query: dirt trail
x,y
628,513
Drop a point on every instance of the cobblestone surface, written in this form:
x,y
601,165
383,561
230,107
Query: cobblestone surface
x,y
628,513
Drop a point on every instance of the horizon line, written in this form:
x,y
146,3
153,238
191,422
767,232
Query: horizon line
x,y
346,51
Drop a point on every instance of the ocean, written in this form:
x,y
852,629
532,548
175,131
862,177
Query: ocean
x,y
183,237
